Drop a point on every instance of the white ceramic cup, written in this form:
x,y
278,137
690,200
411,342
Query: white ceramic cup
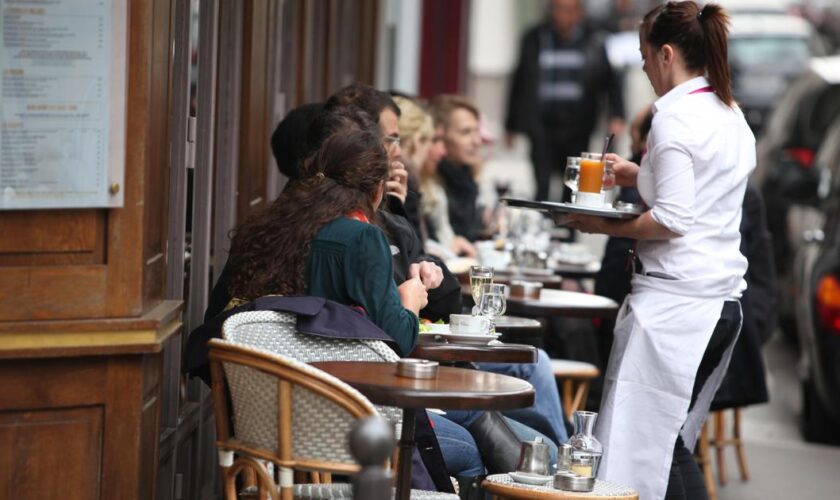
x,y
468,324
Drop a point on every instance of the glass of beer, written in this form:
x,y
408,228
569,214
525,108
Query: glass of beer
x,y
479,276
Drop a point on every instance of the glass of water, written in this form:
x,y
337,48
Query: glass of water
x,y
571,174
493,302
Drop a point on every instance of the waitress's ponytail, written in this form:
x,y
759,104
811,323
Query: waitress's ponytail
x,y
714,22
700,35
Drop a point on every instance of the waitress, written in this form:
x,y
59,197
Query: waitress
x,y
675,331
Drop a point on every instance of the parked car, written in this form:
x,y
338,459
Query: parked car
x,y
766,51
785,170
817,279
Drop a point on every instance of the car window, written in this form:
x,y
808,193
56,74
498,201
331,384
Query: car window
x,y
762,51
782,129
828,163
825,109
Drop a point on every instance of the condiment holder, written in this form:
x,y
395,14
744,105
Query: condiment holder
x,y
417,368
534,457
570,481
525,289
564,457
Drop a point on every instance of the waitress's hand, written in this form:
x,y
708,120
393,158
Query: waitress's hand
x,y
625,171
588,223
413,295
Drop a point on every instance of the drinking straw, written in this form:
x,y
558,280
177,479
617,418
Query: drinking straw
x,y
607,143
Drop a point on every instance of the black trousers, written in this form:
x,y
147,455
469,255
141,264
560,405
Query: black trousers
x,y
550,146
686,480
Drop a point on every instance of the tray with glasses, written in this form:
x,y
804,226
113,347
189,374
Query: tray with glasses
x,y
623,211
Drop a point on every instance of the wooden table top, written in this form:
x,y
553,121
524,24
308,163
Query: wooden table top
x,y
498,353
507,324
452,388
564,303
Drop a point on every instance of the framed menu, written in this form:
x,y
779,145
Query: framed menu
x,y
62,103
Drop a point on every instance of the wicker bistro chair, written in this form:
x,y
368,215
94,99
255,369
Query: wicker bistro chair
x,y
277,332
287,413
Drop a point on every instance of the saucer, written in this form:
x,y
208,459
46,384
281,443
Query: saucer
x,y
530,478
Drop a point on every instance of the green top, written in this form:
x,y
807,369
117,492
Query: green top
x,y
350,262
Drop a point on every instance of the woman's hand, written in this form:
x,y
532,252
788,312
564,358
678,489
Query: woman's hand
x,y
413,295
625,171
462,247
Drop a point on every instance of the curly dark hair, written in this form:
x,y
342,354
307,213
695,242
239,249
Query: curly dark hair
x,y
269,250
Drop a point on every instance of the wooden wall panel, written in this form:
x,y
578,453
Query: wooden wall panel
x,y
255,128
92,263
156,127
63,450
52,238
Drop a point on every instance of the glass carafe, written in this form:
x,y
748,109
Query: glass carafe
x,y
586,449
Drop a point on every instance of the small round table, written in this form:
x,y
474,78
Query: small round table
x,y
502,486
564,303
496,353
452,388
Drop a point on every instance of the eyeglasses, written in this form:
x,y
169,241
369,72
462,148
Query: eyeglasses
x,y
391,141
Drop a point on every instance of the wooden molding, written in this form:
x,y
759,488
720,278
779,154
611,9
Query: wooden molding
x,y
47,339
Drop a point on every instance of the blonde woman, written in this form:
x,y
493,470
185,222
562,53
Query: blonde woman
x,y
422,150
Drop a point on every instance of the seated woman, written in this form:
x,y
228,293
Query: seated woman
x,y
318,239
420,146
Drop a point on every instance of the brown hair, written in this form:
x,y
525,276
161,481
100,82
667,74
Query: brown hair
x,y
269,250
442,106
364,97
699,34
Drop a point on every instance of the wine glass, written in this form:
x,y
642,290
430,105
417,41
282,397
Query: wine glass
x,y
479,276
571,174
493,302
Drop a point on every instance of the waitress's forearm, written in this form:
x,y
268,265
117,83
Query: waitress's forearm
x,y
643,227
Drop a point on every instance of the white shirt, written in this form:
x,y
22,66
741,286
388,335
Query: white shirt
x,y
700,153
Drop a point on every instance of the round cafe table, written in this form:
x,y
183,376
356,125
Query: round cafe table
x,y
520,330
517,325
491,353
564,303
452,388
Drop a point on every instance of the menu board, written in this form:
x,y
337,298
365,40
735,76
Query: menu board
x,y
62,103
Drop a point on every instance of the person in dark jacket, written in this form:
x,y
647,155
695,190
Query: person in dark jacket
x,y
562,75
745,382
458,170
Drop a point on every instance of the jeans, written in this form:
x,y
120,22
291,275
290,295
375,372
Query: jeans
x,y
459,449
547,397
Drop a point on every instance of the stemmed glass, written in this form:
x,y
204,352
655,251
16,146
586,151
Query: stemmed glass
x,y
571,174
479,276
493,303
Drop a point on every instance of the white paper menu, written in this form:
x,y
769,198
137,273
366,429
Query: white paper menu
x,y
62,103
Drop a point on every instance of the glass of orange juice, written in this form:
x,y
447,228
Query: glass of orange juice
x,y
590,181
591,173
